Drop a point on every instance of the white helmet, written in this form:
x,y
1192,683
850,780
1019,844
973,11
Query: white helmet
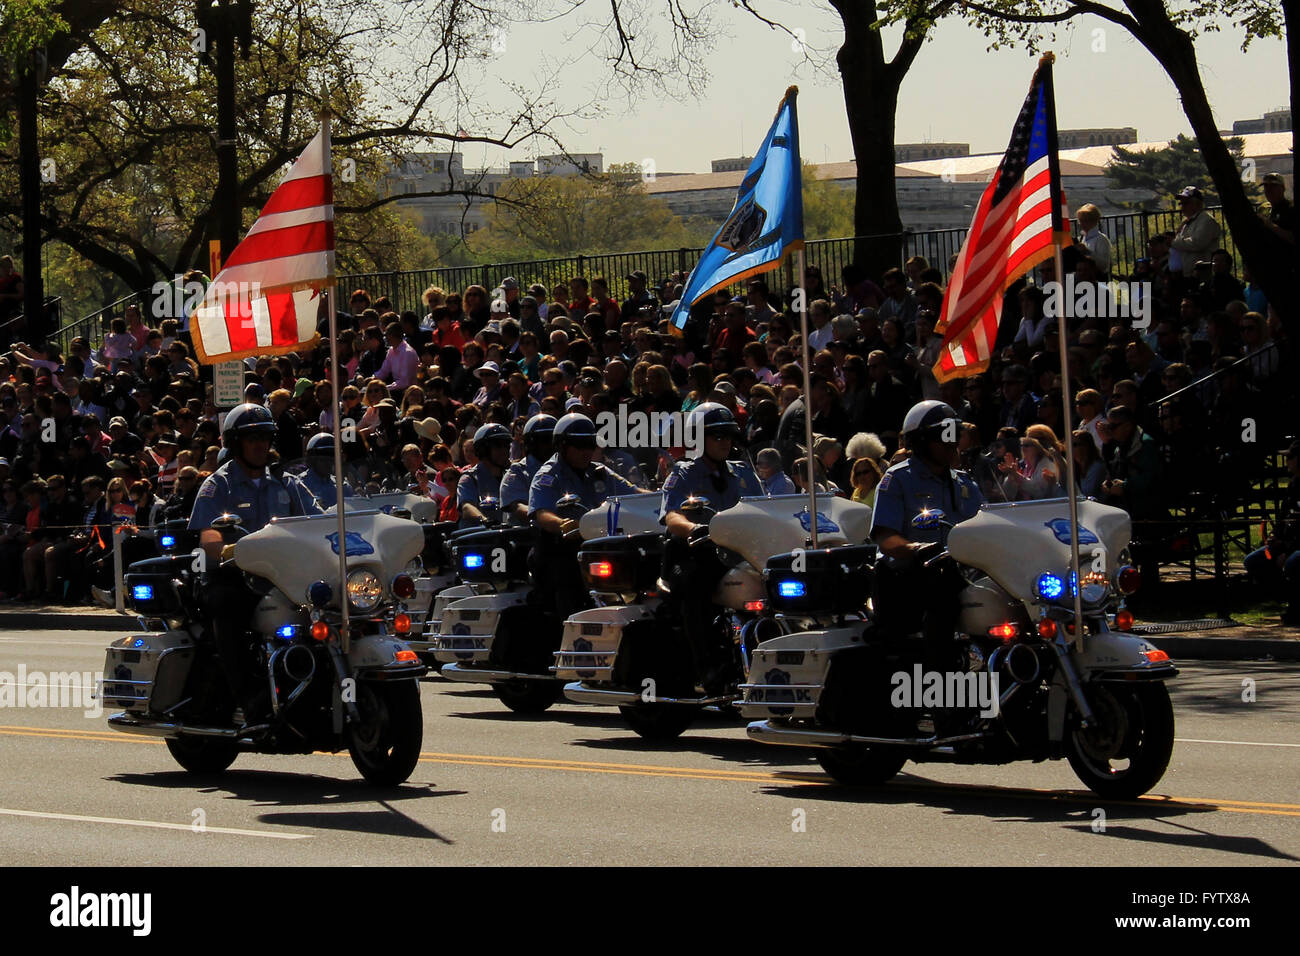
x,y
929,421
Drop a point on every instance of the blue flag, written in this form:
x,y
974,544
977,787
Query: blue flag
x,y
765,223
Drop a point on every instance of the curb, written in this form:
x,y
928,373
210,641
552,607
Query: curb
x,y
1227,648
64,621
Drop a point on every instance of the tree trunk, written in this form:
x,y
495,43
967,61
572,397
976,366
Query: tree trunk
x,y
1272,262
870,99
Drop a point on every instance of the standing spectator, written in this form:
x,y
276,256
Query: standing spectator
x,y
1093,239
1197,236
400,362
1281,217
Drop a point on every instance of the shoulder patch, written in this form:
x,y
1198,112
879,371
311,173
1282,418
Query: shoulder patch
x,y
545,480
209,490
884,481
671,482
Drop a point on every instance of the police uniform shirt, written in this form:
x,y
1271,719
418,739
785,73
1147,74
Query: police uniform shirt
x,y
517,479
697,477
555,479
229,489
475,485
911,486
323,489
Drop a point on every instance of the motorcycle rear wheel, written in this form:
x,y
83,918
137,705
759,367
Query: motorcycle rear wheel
x,y
385,746
858,765
659,721
529,696
1135,725
204,755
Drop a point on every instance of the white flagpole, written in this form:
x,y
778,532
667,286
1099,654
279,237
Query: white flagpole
x,y
807,400
1062,332
344,636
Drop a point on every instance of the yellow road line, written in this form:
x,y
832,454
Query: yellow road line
x,y
739,776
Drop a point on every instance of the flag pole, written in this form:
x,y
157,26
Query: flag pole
x,y
1062,334
1062,330
807,399
344,627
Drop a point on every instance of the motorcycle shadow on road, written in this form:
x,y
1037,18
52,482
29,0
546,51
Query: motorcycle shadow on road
x,y
1077,810
272,788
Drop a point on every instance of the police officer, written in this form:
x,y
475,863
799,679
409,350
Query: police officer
x,y
538,447
712,475
319,476
492,446
693,571
243,487
925,481
571,470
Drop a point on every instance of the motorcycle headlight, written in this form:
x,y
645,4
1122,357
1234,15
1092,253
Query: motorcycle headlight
x,y
364,589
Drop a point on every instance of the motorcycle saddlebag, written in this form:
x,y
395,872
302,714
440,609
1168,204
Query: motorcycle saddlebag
x,y
498,555
830,580
623,562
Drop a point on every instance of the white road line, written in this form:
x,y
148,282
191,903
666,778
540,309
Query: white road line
x,y
1236,743
154,824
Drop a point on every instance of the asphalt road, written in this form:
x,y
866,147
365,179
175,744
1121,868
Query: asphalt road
x,y
575,786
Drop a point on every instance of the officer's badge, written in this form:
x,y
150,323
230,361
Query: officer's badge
x,y
600,487
284,496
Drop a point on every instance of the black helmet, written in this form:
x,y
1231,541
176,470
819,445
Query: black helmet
x,y
539,432
321,444
245,420
716,420
930,420
490,434
576,430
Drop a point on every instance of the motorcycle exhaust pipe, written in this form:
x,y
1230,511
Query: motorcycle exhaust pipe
x,y
298,663
1021,664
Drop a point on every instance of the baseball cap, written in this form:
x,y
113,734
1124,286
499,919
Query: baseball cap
x,y
574,402
510,282
637,274
488,367
1190,192
117,420
1274,178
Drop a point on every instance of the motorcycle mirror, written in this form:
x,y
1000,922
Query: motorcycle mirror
x,y
928,518
694,507
227,520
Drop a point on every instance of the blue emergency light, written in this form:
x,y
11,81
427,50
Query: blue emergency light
x,y
473,561
790,589
142,592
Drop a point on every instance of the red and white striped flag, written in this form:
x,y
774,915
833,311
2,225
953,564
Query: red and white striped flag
x,y
1020,218
264,302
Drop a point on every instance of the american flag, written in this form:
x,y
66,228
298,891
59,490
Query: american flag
x,y
1020,217
264,302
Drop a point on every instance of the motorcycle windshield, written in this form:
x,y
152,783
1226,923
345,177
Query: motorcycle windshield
x,y
634,514
1015,543
294,553
758,528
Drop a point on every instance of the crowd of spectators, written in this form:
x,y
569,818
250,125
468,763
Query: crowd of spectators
x,y
123,431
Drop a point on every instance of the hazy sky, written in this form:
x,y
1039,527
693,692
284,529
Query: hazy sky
x,y
956,91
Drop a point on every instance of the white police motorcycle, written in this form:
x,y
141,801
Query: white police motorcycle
x,y
495,627
168,681
631,650
1048,686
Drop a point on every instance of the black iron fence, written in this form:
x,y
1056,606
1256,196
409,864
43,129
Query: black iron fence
x,y
1128,232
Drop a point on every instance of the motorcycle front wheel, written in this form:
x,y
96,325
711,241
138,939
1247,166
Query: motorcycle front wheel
x,y
659,721
1126,751
206,755
529,696
385,745
858,765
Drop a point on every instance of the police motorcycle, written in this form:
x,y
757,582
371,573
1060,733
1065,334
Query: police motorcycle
x,y
1045,687
169,682
500,627
631,650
